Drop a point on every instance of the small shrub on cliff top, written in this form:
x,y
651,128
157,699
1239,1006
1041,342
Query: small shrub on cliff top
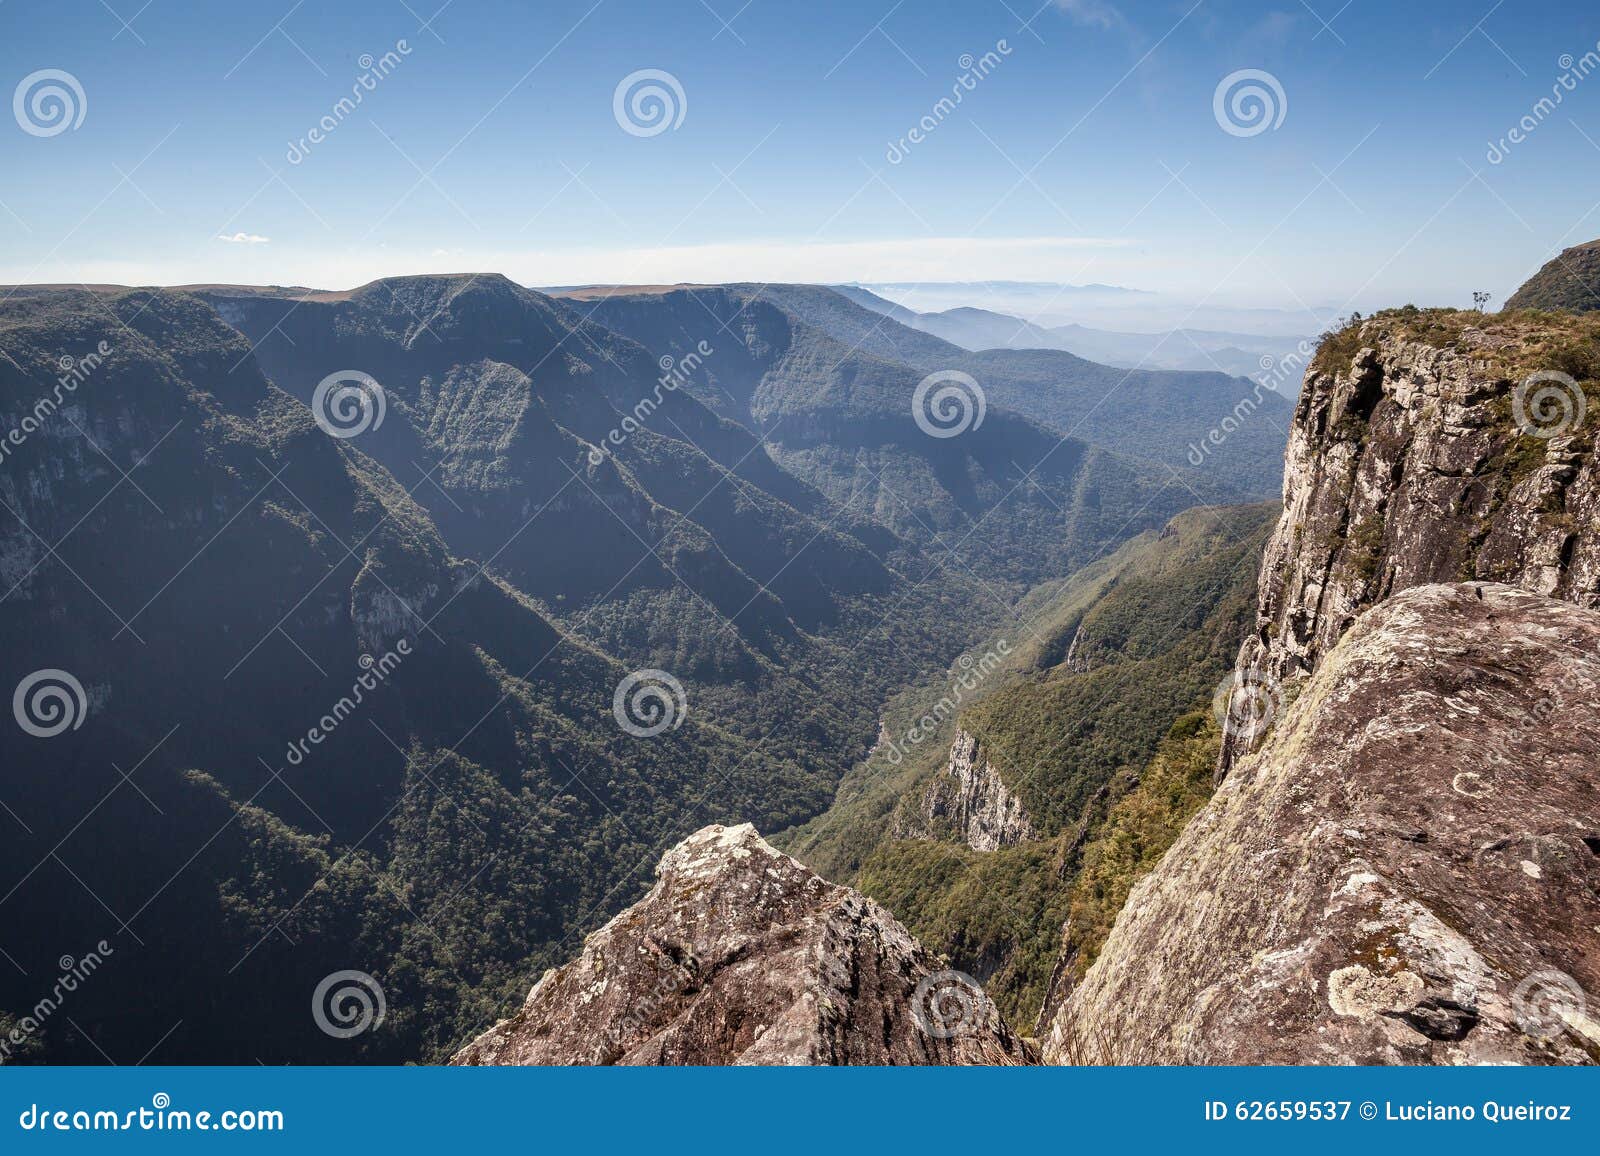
x,y
1337,347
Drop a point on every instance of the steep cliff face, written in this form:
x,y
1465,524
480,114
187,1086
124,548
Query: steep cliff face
x,y
741,955
973,798
1407,872
1433,446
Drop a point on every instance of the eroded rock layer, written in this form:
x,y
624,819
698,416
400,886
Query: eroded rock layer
x,y
1408,871
741,955
973,797
1423,455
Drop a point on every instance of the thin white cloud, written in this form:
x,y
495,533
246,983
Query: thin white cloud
x,y
901,259
1093,13
243,238
1189,271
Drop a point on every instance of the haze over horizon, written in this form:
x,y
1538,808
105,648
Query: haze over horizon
x,y
1088,145
728,533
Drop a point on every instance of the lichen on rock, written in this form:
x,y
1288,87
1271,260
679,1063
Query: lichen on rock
x,y
973,797
741,955
1420,454
1346,897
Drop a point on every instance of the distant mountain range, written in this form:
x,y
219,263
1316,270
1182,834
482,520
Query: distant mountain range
x,y
354,588
1250,355
1037,288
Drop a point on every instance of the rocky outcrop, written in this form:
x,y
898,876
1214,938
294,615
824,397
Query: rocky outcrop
x,y
1408,871
1424,449
741,955
1567,281
972,797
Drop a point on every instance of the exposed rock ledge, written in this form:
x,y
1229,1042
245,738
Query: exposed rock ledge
x,y
742,955
1407,872
973,797
1402,470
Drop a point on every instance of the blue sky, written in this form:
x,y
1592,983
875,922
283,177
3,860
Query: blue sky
x,y
1089,152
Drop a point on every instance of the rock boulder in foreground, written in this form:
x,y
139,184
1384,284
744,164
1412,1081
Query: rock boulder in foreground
x,y
1407,872
741,955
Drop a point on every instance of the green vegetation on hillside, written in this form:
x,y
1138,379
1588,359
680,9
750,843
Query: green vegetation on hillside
x,y
1089,744
1137,831
1566,281
1009,499
1156,644
480,810
996,914
1512,343
1144,414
